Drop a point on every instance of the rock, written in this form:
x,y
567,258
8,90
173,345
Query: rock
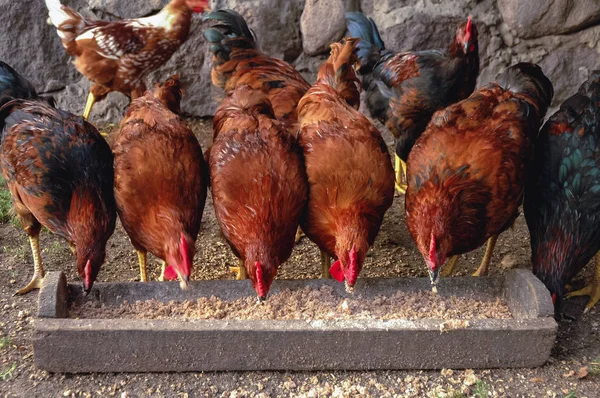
x,y
549,17
317,34
126,9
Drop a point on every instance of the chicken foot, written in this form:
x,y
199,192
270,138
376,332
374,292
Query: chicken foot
x,y
449,267
400,168
240,271
299,235
142,261
38,269
592,290
485,263
325,265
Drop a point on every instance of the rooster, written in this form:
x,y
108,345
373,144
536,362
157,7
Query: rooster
x,y
259,219
117,56
59,172
404,89
467,172
161,181
562,200
349,169
237,61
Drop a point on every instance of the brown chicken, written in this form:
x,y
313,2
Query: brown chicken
x,y
404,89
161,180
467,172
237,61
350,175
59,171
117,56
259,219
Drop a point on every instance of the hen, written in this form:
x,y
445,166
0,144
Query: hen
x,y
117,56
349,170
404,89
259,218
59,172
562,200
161,180
467,171
237,61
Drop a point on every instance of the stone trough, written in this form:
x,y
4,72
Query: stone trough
x,y
62,344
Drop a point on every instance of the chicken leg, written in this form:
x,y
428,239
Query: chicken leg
x,y
485,263
142,261
400,168
299,235
325,264
91,99
449,267
163,267
240,271
592,290
73,249
38,269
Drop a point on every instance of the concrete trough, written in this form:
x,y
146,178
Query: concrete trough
x,y
132,345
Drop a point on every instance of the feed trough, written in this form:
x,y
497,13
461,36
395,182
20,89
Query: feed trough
x,y
66,344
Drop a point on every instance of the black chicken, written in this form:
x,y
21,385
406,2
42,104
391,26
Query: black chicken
x,y
404,89
562,200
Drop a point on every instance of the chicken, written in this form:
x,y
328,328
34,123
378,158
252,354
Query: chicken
x,y
349,169
562,200
117,56
404,89
161,180
59,171
237,61
467,172
259,219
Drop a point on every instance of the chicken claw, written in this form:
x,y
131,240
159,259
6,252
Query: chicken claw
x,y
38,269
592,290
240,271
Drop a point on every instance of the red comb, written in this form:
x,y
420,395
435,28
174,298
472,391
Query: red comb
x,y
170,273
554,298
336,271
260,283
432,247
467,36
353,265
87,270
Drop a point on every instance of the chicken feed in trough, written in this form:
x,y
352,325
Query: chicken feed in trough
x,y
486,322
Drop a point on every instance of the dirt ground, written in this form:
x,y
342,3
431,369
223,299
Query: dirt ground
x,y
393,255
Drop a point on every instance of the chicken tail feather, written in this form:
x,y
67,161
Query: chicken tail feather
x,y
371,45
339,71
229,27
170,93
528,79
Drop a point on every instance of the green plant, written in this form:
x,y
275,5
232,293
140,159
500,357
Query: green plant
x,y
571,394
594,367
5,201
481,389
7,374
4,342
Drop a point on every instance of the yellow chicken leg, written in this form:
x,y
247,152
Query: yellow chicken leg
x,y
485,263
142,262
325,264
400,168
240,271
592,290
38,269
299,235
449,267
163,267
91,99
73,249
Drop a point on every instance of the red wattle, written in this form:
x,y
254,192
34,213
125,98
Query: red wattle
x,y
337,272
170,273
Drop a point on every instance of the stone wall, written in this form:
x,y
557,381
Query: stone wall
x,y
563,36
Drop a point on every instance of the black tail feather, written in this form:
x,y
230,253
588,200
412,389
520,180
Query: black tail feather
x,y
371,45
527,78
230,25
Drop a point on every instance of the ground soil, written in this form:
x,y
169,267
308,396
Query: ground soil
x,y
393,255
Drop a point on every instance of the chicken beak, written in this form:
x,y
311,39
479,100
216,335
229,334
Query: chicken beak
x,y
261,300
466,47
434,276
349,288
183,280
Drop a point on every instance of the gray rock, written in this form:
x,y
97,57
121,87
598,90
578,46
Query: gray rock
x,y
126,9
317,33
548,17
